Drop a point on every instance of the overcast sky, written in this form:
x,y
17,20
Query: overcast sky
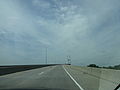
x,y
87,30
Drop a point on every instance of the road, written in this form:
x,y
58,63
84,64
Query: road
x,y
46,78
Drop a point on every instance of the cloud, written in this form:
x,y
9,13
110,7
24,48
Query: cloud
x,y
41,4
86,30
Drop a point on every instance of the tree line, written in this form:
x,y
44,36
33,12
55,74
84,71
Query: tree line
x,y
116,67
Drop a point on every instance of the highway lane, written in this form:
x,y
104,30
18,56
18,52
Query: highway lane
x,y
46,78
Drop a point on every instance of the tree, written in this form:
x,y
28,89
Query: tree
x,y
93,65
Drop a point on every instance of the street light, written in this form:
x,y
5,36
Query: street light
x,y
46,55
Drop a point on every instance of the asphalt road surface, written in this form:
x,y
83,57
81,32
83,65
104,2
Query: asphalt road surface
x,y
46,78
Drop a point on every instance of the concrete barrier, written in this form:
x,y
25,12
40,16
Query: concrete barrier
x,y
108,79
17,68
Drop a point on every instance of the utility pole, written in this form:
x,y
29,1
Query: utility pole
x,y
46,55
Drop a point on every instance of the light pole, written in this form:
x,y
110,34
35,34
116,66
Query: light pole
x,y
46,55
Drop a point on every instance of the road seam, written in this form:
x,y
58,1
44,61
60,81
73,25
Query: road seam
x,y
73,79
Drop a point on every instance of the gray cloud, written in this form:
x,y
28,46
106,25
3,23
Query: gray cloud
x,y
86,30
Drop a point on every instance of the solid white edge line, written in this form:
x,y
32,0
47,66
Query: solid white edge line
x,y
73,79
